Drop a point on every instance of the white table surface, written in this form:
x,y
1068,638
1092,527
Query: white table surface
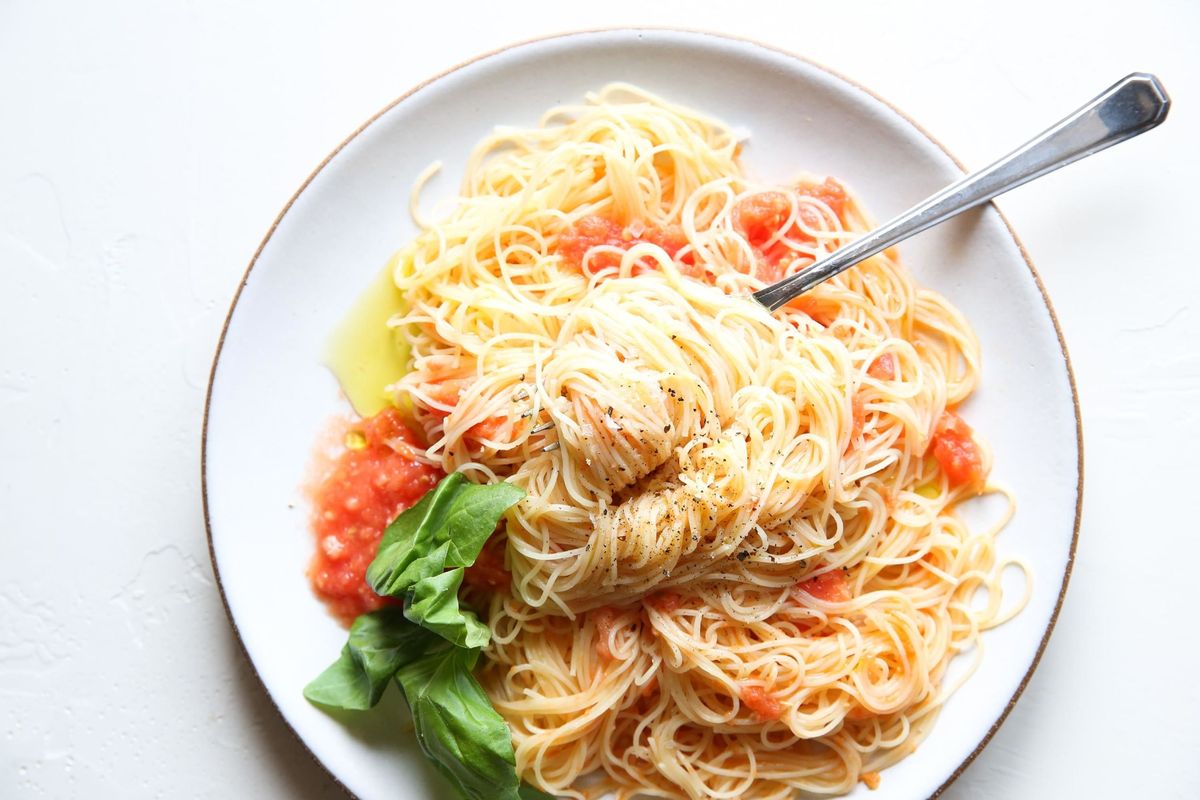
x,y
145,148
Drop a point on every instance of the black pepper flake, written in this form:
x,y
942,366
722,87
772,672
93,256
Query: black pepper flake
x,y
742,556
666,427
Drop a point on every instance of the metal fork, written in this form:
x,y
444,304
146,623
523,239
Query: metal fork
x,y
1129,107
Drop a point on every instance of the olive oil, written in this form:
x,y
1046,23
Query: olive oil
x,y
364,354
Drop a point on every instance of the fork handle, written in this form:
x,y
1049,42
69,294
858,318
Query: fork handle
x,y
1129,107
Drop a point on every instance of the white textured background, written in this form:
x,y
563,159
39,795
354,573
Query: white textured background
x,y
145,148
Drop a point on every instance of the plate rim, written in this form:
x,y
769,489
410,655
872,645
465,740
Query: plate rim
x,y
690,32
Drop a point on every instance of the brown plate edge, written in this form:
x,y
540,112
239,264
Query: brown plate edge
x,y
659,29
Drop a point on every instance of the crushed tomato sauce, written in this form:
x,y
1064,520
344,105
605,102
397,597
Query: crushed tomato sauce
x,y
761,218
764,705
445,386
368,484
664,600
883,368
832,587
605,619
956,451
488,573
596,231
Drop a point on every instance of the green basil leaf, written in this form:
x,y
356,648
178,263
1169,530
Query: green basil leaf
x,y
433,604
431,646
457,727
421,569
379,644
456,514
476,512
411,535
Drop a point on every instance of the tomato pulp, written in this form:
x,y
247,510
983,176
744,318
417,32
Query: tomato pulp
x,y
372,481
596,231
956,451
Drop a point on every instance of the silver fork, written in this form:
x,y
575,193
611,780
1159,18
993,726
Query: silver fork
x,y
1129,107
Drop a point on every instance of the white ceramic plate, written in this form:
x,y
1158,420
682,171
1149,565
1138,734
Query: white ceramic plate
x,y
270,395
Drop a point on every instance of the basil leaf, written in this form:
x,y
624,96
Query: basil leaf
x,y
473,518
411,535
379,644
446,528
430,646
433,604
456,513
457,727
421,569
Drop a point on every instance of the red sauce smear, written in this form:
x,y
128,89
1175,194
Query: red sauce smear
x,y
362,493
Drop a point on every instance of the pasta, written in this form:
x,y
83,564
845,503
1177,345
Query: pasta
x,y
737,571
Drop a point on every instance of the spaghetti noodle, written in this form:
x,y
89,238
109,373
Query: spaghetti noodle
x,y
737,571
